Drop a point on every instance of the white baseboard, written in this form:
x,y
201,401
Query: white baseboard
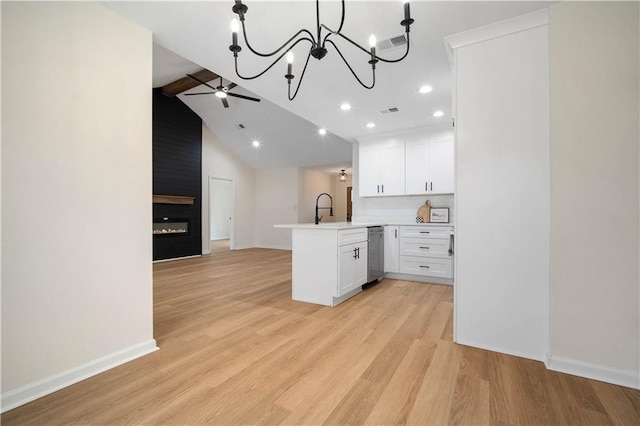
x,y
40,388
626,378
273,247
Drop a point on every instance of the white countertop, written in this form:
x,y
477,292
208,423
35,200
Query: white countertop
x,y
354,225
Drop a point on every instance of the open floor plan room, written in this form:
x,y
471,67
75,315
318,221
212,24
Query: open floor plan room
x,y
235,349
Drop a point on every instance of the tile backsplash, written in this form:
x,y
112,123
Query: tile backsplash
x,y
401,209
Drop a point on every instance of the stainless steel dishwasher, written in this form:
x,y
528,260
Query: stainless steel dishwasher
x,y
375,251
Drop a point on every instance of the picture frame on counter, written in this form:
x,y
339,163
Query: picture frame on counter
x,y
439,215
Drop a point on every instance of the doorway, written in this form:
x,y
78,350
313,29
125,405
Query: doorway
x,y
220,214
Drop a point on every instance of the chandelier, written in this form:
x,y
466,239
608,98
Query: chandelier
x,y
318,43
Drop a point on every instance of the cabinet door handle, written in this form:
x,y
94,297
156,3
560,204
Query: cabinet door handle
x,y
422,266
382,188
426,248
378,189
424,232
451,244
396,232
425,186
354,254
431,186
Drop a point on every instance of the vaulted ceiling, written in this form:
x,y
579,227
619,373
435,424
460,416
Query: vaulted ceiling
x,y
197,35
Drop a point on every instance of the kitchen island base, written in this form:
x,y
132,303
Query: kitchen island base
x,y
328,265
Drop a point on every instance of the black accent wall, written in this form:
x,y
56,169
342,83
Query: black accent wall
x,y
177,170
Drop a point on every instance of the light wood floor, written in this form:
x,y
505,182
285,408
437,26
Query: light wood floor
x,y
236,350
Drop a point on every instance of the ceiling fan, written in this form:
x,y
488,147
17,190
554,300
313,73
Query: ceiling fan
x,y
221,91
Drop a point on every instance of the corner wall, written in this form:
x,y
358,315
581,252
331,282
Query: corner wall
x,y
219,162
76,189
595,251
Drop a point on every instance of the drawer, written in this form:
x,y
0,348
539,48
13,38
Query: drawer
x,y
425,231
350,236
432,267
424,247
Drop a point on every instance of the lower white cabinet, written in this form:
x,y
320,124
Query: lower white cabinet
x,y
391,249
328,265
352,267
426,250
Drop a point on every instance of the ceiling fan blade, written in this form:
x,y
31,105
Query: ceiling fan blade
x,y
231,86
203,82
243,97
200,93
224,102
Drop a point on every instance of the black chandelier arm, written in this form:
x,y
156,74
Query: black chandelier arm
x,y
265,55
272,64
367,52
330,30
351,69
300,81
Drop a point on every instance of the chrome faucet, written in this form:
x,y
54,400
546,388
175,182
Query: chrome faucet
x,y
317,208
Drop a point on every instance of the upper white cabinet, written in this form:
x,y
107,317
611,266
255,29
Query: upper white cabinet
x,y
429,166
409,164
381,168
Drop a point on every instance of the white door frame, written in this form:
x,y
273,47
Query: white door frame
x,y
233,212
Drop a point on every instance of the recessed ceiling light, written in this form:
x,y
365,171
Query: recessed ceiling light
x,y
438,114
425,89
322,131
345,107
255,143
371,125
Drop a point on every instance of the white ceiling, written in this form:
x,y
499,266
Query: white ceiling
x,y
199,32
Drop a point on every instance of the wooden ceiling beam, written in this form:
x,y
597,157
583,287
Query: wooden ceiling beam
x,y
186,83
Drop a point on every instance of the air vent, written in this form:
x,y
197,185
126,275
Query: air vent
x,y
388,110
240,126
391,42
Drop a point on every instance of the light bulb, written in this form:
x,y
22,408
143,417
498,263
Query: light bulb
x,y
255,144
322,131
221,94
290,57
372,41
235,25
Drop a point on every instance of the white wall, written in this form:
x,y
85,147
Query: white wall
x,y
502,187
219,162
594,82
276,203
311,184
76,189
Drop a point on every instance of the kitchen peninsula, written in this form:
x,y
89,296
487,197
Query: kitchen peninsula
x,y
329,260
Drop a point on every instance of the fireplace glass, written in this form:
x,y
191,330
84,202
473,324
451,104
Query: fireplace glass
x,y
170,226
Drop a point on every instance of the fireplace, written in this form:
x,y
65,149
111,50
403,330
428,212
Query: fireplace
x,y
170,226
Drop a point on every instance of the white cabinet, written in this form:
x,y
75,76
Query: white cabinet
x,y
429,166
352,267
381,168
328,265
391,248
426,250
415,163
